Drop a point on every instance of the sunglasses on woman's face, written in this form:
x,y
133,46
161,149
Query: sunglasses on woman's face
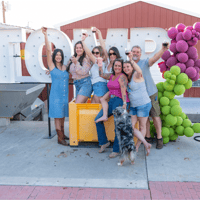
x,y
95,52
110,54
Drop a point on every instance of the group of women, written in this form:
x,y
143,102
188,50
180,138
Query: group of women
x,y
113,83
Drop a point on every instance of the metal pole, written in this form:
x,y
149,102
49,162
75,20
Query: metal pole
x,y
49,120
4,11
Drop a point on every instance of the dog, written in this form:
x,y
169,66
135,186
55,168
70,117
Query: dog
x,y
124,132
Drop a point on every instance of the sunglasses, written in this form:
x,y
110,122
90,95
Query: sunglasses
x,y
97,53
110,54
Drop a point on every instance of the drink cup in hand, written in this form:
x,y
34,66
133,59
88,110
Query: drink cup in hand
x,y
99,61
165,43
93,29
127,52
84,32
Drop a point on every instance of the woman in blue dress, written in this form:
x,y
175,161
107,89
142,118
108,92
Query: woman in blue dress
x,y
58,100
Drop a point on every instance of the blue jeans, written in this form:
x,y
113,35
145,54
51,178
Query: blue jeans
x,y
112,104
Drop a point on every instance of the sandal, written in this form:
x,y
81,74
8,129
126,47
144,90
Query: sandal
x,y
103,147
149,140
159,143
113,155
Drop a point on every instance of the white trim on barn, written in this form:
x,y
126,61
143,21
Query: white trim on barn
x,y
125,4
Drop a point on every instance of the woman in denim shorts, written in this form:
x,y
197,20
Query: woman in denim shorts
x,y
99,84
79,66
140,103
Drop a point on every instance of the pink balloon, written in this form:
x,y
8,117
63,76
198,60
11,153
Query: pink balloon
x,y
192,52
172,48
196,26
172,32
183,57
163,67
195,78
173,41
171,61
187,35
166,55
191,72
189,28
182,46
189,63
197,69
182,67
180,27
197,63
179,36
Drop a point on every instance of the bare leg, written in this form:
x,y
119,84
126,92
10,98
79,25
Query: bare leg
x,y
96,99
58,122
140,137
142,127
104,104
81,99
158,125
148,128
93,100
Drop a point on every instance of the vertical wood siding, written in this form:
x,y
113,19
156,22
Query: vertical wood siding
x,y
139,14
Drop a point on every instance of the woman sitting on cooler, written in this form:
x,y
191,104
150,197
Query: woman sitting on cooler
x,y
79,66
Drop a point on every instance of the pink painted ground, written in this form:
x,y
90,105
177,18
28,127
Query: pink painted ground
x,y
157,191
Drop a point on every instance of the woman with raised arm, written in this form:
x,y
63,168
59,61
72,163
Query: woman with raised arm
x,y
79,66
118,97
99,84
140,103
111,55
58,100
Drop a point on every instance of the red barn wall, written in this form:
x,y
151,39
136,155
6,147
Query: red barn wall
x,y
139,14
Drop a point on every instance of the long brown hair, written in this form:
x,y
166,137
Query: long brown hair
x,y
80,60
129,62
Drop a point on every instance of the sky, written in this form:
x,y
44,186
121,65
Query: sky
x,y
38,13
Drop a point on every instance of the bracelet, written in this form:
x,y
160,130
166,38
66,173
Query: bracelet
x,y
124,103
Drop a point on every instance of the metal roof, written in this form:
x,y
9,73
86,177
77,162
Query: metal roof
x,y
125,4
8,26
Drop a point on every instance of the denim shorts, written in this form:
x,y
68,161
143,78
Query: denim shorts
x,y
141,111
83,87
100,88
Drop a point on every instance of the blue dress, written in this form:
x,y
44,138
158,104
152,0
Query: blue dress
x,y
58,99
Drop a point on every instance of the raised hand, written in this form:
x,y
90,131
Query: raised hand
x,y
73,59
84,37
44,30
130,55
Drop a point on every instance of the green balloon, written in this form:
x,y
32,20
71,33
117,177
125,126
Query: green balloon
x,y
188,85
196,127
175,70
173,137
182,79
189,132
179,89
186,123
176,110
170,120
165,140
180,130
174,102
